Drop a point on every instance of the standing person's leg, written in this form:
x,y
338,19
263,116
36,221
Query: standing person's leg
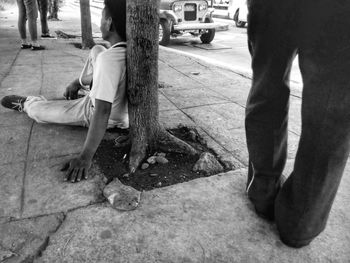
x,y
22,19
271,37
32,15
43,9
304,202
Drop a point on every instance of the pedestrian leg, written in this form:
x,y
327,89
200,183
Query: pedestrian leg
x,y
271,36
22,19
32,15
304,202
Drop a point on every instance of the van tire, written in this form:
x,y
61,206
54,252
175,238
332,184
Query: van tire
x,y
206,38
164,32
238,23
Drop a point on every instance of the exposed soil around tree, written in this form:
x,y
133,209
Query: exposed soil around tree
x,y
112,161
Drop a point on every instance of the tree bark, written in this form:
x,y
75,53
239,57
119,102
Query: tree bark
x,y
86,29
146,134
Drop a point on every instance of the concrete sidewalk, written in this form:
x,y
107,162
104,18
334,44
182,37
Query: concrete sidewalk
x,y
44,219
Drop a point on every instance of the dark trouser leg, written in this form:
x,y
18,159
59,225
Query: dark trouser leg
x,y
43,9
272,43
304,202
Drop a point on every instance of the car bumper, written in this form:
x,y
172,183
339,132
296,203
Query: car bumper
x,y
197,26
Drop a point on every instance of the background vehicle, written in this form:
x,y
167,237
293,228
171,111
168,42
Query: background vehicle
x,y
233,9
177,17
240,14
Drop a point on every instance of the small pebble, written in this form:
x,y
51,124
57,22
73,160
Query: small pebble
x,y
193,135
144,166
159,184
151,160
153,175
195,73
161,160
161,154
126,175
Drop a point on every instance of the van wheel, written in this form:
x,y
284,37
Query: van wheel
x,y
164,32
207,37
237,21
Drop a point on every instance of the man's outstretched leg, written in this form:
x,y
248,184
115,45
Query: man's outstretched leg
x,y
76,112
272,44
305,200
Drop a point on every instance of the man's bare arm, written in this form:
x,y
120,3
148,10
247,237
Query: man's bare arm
x,y
71,92
78,167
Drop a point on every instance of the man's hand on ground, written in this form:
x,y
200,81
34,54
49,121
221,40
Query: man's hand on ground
x,y
72,89
76,170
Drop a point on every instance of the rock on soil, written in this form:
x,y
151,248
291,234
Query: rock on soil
x,y
161,160
208,164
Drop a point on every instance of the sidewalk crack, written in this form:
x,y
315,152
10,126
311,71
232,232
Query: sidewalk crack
x,y
10,67
25,170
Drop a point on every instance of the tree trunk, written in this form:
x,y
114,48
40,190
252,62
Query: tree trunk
x,y
146,134
86,29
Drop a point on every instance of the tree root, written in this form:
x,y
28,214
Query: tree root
x,y
169,143
163,141
137,155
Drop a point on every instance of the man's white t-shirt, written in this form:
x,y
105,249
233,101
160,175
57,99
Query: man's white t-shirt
x,y
109,84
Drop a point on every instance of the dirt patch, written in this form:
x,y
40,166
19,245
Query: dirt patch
x,y
112,161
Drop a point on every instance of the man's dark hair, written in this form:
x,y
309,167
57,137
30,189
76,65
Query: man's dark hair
x,y
116,9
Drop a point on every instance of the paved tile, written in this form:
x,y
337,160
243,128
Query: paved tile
x,y
165,104
13,118
13,143
49,140
11,182
225,115
193,97
46,192
236,90
28,57
28,237
21,85
176,79
173,118
204,75
23,71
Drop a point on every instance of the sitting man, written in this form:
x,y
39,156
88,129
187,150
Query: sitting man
x,y
105,107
